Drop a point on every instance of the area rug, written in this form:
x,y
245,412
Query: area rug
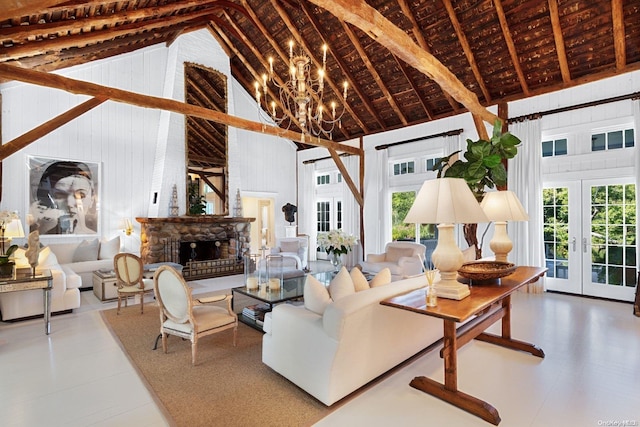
x,y
230,386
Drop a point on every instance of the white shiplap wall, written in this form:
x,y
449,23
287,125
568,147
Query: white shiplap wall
x,y
141,151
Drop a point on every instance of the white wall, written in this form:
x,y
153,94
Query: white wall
x,y
141,151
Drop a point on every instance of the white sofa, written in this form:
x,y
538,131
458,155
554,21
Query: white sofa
x,y
403,259
354,341
65,294
86,256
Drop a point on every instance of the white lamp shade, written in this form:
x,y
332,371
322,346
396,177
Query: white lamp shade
x,y
445,200
503,206
14,229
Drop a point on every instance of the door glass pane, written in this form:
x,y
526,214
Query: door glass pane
x,y
323,219
556,231
400,204
613,234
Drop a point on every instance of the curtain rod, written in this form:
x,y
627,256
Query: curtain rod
x,y
421,138
635,95
306,162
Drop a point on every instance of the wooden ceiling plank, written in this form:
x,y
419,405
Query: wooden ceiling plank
x,y
12,8
618,34
466,48
374,73
147,101
49,126
97,36
506,33
369,20
559,40
301,42
353,83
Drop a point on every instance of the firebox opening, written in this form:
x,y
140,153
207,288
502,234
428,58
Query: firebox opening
x,y
200,251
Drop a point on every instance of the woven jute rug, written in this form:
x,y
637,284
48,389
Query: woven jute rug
x,y
230,386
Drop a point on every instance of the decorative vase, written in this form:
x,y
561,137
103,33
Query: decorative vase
x,y
336,261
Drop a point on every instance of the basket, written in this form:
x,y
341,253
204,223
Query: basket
x,y
486,270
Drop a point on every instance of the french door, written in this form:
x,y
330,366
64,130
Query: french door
x,y
590,237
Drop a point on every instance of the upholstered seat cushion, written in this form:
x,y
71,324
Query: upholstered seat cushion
x,y
206,317
148,285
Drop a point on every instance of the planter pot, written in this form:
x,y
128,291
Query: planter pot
x,y
6,269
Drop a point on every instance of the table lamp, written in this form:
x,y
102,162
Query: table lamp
x,y
500,207
446,201
9,231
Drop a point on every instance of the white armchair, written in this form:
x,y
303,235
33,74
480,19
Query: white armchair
x,y
404,259
293,247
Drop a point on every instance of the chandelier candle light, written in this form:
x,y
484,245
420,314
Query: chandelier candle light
x,y
301,96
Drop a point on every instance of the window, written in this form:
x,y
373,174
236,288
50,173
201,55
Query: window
x,y
339,214
323,179
556,147
612,140
431,163
339,177
403,168
323,219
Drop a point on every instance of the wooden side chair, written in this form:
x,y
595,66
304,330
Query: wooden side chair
x,y
181,316
129,275
636,303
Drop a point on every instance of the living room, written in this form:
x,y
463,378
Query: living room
x,y
140,154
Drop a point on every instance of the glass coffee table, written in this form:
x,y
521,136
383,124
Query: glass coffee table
x,y
292,289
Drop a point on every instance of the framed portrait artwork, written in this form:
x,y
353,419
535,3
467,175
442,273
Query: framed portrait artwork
x,y
63,196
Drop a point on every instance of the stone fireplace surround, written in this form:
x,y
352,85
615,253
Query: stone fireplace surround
x,y
157,233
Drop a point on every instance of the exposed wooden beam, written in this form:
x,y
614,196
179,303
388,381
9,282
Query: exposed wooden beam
x,y
559,40
347,178
511,46
369,20
414,88
374,73
13,8
466,48
480,127
617,16
22,141
147,101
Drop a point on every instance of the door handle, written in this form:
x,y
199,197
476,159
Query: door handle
x,y
573,243
584,245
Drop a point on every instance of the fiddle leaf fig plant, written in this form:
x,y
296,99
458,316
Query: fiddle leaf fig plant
x,y
483,165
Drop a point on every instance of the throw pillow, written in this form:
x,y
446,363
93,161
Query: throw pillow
x,y
109,248
393,254
316,296
359,281
341,285
46,257
87,250
289,247
382,278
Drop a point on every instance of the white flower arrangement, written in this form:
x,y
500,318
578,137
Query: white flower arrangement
x,y
336,241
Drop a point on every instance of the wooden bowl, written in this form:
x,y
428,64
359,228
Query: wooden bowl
x,y
479,271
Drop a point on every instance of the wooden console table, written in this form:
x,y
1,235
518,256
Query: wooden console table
x,y
24,280
488,303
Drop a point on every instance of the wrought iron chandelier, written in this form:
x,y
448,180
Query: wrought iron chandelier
x,y
301,97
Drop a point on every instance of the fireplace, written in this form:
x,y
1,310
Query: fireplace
x,y
207,246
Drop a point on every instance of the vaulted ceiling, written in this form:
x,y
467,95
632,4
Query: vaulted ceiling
x,y
500,50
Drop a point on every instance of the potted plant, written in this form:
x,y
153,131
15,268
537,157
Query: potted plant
x,y
6,265
482,167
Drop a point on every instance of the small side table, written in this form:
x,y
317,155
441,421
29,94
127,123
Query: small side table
x,y
23,280
105,285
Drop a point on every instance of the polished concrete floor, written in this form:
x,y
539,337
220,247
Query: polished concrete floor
x,y
79,376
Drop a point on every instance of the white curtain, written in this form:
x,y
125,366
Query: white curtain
x,y
525,179
636,121
351,209
306,199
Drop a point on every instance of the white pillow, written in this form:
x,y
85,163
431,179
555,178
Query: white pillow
x,y
359,281
316,296
341,285
109,248
382,278
87,250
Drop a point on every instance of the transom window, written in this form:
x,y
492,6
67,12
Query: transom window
x,y
403,168
612,140
431,163
323,179
556,147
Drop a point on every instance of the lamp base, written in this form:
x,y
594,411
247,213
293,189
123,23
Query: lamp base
x,y
450,288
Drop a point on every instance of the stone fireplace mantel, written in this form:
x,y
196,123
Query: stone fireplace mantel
x,y
160,238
